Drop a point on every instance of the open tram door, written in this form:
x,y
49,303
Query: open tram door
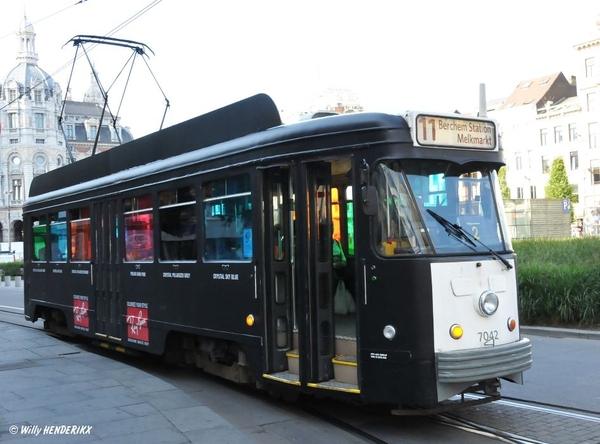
x,y
299,304
317,339
279,261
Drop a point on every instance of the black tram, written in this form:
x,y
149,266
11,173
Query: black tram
x,y
210,242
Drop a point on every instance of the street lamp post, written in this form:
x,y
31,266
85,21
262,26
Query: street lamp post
x,y
8,193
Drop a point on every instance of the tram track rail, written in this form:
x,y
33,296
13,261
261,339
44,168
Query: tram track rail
x,y
470,420
447,419
551,408
548,408
12,310
454,421
340,424
544,422
14,316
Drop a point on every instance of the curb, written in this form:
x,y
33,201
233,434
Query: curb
x,y
14,310
561,333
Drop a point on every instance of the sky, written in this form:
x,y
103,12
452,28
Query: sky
x,y
395,55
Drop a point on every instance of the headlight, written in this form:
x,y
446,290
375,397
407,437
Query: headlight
x,y
488,303
389,332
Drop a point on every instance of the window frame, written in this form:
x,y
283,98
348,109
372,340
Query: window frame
x,y
81,218
593,134
589,67
595,172
592,101
546,164
141,247
186,250
558,134
39,120
13,120
235,244
58,227
543,137
572,132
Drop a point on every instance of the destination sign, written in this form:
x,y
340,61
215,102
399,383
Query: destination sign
x,y
444,131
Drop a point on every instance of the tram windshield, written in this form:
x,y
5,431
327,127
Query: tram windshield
x,y
418,198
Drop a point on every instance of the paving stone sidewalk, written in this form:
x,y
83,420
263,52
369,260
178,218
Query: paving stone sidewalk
x,y
54,392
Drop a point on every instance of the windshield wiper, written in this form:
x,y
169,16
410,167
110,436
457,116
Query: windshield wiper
x,y
462,235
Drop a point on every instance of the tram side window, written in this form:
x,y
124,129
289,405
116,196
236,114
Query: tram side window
x,y
81,235
139,245
58,238
228,219
398,228
39,238
177,220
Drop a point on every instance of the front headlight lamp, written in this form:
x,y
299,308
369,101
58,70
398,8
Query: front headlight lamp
x,y
488,303
389,332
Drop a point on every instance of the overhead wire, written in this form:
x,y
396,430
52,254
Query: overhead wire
x,y
110,33
132,59
47,17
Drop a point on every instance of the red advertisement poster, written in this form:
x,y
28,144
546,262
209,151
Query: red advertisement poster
x,y
81,307
137,323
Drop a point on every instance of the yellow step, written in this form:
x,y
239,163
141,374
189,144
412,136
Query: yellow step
x,y
345,369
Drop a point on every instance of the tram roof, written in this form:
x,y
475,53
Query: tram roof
x,y
242,126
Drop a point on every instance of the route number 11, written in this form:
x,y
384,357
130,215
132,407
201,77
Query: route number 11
x,y
424,122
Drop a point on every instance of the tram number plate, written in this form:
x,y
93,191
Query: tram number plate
x,y
488,338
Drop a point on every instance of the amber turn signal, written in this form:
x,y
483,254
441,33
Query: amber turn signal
x,y
511,324
456,331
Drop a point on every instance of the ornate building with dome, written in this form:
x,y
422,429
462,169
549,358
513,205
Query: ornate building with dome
x,y
37,135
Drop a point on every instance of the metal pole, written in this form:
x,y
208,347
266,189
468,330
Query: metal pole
x,y
482,101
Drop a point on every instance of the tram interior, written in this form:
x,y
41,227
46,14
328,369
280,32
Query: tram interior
x,y
342,209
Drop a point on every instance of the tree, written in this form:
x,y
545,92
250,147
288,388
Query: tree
x,y
503,184
558,184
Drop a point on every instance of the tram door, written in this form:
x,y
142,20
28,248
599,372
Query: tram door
x,y
316,227
280,265
106,288
299,299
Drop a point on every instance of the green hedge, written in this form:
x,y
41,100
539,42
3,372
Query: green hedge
x,y
559,281
11,268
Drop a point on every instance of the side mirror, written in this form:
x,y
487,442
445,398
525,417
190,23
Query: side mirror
x,y
369,197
